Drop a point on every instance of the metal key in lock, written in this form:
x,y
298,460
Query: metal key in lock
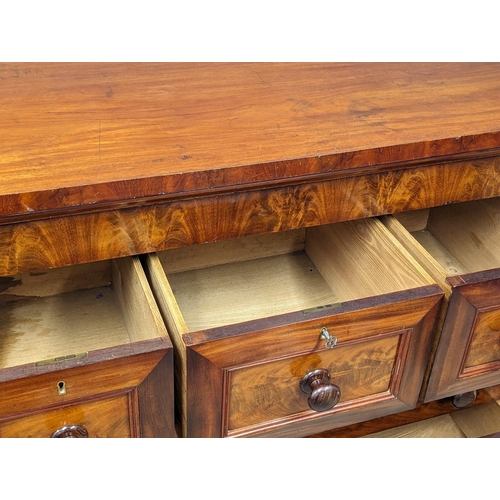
x,y
331,340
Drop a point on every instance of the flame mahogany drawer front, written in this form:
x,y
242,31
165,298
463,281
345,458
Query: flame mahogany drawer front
x,y
459,246
293,333
107,418
84,351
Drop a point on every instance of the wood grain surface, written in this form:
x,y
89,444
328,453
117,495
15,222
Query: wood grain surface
x,y
61,241
441,427
107,418
99,161
467,357
423,415
460,250
268,391
76,135
479,421
210,359
60,313
130,396
470,231
82,382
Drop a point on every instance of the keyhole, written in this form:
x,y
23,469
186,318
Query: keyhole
x,y
61,388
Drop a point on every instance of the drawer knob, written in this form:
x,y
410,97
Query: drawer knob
x,y
71,431
464,400
323,394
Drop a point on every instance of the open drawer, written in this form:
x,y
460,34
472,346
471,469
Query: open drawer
x,y
459,245
84,337
293,333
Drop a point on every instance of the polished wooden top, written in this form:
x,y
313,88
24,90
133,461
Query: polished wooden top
x,y
76,137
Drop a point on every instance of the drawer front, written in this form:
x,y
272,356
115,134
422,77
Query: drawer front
x,y
458,245
363,372
468,354
484,347
104,418
249,384
93,330
127,396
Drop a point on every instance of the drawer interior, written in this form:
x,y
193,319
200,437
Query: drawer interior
x,y
462,238
228,282
66,311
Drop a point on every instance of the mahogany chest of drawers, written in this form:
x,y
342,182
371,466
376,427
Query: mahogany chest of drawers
x,y
204,241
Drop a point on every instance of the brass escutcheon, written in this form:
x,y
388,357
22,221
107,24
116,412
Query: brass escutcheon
x,y
61,388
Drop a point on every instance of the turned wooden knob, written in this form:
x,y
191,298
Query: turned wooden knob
x,y
323,394
464,400
71,431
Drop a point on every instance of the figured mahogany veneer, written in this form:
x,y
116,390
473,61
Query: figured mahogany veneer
x,y
102,235
97,419
128,397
